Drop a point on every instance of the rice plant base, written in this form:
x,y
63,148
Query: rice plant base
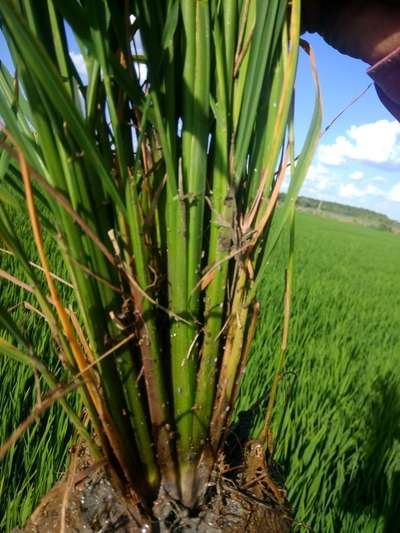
x,y
92,503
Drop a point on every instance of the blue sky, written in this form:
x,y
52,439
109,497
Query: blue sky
x,y
358,160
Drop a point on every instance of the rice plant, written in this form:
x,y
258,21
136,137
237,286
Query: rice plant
x,y
156,175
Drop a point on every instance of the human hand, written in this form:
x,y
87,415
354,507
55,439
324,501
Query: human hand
x,y
367,30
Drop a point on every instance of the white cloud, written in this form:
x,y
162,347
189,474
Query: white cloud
x,y
377,144
373,190
79,62
394,193
319,178
350,190
356,175
334,154
80,65
340,170
141,71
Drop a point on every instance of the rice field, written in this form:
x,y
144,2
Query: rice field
x,y
38,459
337,422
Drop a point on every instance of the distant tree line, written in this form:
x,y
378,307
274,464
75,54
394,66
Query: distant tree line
x,y
355,214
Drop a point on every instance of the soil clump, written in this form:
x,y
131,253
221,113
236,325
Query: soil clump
x,y
237,500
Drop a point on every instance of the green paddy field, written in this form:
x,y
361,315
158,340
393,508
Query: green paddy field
x,y
337,421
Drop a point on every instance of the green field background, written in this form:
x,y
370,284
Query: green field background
x,y
38,459
337,421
